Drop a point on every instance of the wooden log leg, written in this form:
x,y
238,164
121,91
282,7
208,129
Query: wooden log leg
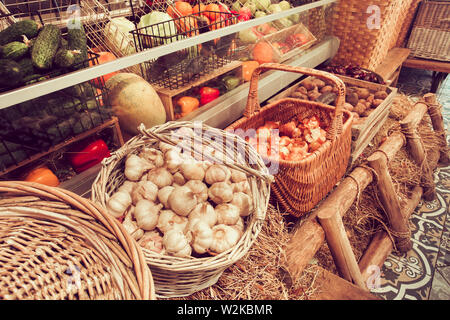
x,y
418,153
434,110
390,202
381,244
340,247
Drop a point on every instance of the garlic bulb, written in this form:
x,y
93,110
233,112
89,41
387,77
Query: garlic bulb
x,y
217,173
144,190
238,175
178,179
132,228
147,214
118,203
176,243
242,186
227,213
169,220
152,240
199,189
243,202
127,186
239,226
153,156
160,176
201,236
205,212
135,167
173,159
220,192
192,170
163,195
224,238
182,200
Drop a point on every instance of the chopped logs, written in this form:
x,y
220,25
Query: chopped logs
x,y
326,221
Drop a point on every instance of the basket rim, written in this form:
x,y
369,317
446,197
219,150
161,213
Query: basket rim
x,y
129,246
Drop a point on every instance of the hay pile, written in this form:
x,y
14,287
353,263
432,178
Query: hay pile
x,y
257,276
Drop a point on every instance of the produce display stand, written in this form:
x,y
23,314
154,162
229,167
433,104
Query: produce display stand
x,y
325,223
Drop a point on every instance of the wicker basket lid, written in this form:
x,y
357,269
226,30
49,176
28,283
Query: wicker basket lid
x,y
57,245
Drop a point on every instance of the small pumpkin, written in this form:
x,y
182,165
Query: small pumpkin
x,y
42,175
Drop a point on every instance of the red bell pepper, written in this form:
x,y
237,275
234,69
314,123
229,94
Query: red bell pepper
x,y
89,156
208,94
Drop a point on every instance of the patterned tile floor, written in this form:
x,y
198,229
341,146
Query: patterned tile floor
x,y
423,273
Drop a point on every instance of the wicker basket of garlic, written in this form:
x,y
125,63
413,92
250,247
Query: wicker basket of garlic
x,y
194,197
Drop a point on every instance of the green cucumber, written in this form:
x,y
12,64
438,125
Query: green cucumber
x,y
27,66
76,38
14,50
65,58
46,46
11,73
14,32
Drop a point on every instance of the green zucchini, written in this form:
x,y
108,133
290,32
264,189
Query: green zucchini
x,y
14,32
11,73
46,46
65,58
27,66
76,38
14,50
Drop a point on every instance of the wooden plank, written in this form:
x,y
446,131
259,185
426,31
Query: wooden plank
x,y
332,287
432,65
394,60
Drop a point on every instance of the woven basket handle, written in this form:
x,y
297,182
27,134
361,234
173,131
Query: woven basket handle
x,y
253,102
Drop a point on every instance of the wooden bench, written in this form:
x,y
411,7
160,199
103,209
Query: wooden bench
x,y
440,69
390,68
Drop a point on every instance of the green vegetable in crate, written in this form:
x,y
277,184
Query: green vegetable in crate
x,y
11,73
14,32
14,50
27,66
33,78
65,58
77,40
165,28
46,46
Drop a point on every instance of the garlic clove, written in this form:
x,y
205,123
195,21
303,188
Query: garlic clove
x,y
127,186
161,177
192,170
220,192
132,228
118,203
217,173
170,220
178,179
224,238
244,202
144,190
163,195
147,214
227,213
205,212
201,236
182,200
238,175
176,243
199,189
153,156
153,241
135,167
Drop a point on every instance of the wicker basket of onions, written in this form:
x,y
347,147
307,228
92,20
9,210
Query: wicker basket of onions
x,y
194,197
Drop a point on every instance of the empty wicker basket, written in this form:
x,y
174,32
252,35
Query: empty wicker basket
x,y
56,245
175,276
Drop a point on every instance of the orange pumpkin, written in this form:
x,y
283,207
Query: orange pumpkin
x,y
180,8
263,52
187,26
212,15
104,57
43,175
200,7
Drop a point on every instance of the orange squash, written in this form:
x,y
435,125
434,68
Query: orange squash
x,y
200,7
247,69
42,175
263,52
104,57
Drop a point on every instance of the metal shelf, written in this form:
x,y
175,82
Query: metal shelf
x,y
231,105
16,96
